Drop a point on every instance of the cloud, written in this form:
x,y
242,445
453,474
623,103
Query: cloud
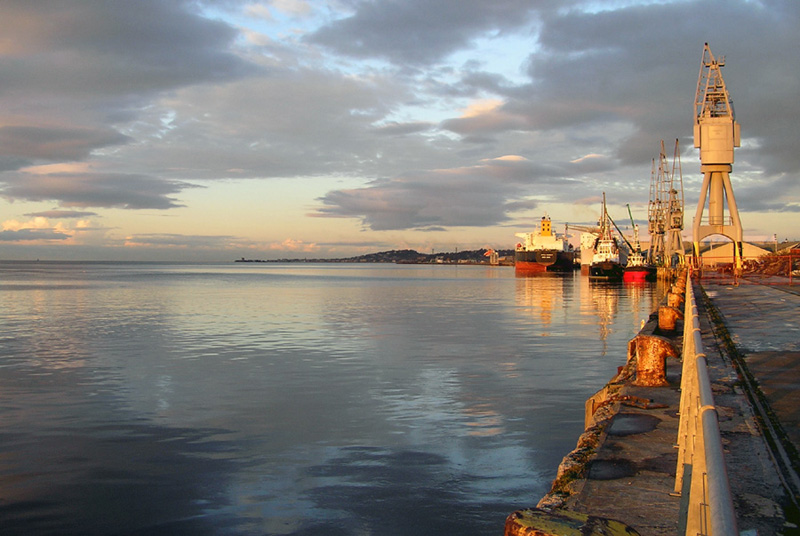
x,y
296,8
56,214
108,49
31,235
395,128
295,246
485,118
293,123
116,190
37,229
173,240
31,143
478,195
420,32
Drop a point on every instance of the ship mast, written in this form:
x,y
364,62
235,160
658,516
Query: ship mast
x,y
716,133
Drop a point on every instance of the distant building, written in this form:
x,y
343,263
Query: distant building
x,y
721,253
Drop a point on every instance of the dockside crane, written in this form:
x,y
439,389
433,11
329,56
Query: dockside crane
x,y
673,246
716,133
656,210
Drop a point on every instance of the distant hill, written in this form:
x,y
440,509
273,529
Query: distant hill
x,y
407,256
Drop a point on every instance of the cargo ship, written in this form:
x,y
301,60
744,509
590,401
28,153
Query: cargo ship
x,y
543,251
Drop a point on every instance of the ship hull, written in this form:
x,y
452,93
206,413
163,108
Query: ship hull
x,y
639,274
606,271
543,260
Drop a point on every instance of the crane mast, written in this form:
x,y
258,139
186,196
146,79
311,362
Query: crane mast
x,y
673,247
655,214
716,133
665,212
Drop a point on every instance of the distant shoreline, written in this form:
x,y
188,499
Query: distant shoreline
x,y
405,256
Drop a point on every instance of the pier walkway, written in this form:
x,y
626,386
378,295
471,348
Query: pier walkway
x,y
626,470
761,335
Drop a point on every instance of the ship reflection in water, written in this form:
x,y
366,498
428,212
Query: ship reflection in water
x,y
260,398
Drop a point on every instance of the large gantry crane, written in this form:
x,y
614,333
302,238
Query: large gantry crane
x,y
716,133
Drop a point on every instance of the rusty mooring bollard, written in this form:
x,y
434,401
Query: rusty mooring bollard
x,y
668,317
675,299
651,353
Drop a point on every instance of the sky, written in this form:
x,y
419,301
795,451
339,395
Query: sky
x,y
210,130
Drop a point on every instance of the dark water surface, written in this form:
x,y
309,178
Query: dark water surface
x,y
294,399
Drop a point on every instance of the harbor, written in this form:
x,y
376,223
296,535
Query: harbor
x,y
624,475
697,433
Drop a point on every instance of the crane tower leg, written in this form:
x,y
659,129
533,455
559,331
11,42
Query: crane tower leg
x,y
717,189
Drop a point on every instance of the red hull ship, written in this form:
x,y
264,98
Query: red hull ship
x,y
543,251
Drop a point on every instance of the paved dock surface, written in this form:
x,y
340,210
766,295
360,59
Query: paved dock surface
x,y
764,322
631,477
762,318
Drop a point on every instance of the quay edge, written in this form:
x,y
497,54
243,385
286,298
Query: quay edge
x,y
624,464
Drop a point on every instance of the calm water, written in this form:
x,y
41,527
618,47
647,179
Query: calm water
x,y
294,399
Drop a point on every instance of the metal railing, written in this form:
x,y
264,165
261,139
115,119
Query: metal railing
x,y
701,478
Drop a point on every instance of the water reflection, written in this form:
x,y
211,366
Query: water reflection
x,y
287,400
543,296
604,298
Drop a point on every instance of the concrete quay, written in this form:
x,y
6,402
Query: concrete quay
x,y
623,468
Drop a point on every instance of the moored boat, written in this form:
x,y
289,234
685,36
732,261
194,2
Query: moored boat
x,y
606,263
638,269
543,251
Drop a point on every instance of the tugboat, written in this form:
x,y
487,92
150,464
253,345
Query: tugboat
x,y
606,264
637,268
543,251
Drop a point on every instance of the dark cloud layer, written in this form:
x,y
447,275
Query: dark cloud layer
x,y
33,144
25,235
95,190
112,49
61,214
419,32
477,195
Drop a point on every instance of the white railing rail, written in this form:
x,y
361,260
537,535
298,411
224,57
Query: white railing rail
x,y
701,478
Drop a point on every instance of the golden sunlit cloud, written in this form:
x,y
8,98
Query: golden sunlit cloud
x,y
481,107
507,158
291,244
36,231
68,167
38,222
591,156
